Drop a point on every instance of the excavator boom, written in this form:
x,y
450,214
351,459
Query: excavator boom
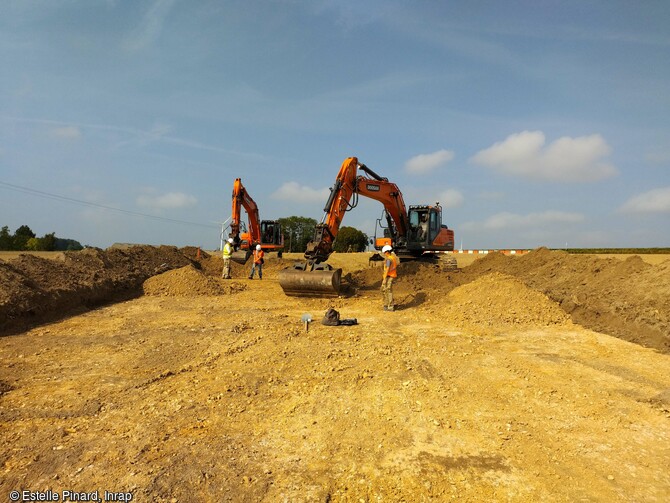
x,y
349,185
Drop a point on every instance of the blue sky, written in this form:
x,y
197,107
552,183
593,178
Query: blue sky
x,y
533,123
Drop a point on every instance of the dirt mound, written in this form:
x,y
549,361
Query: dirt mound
x,y
213,266
35,290
629,299
420,275
499,301
186,282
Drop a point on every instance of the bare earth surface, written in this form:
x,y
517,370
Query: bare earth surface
x,y
542,377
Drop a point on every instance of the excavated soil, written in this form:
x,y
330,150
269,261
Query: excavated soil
x,y
541,377
35,289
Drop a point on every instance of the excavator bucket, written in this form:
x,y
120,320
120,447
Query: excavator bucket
x,y
318,283
241,256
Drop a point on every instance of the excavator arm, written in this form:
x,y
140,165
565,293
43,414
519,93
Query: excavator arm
x,y
242,199
344,197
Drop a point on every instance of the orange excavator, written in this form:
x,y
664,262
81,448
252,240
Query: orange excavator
x,y
266,233
412,234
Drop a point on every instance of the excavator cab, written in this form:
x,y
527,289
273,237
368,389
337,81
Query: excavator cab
x,y
426,230
271,233
424,224
272,238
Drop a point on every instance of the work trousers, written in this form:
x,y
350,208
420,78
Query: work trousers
x,y
226,268
253,270
387,291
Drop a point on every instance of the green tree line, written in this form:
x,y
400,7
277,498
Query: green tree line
x,y
298,231
24,239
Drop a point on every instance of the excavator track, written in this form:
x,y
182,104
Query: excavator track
x,y
448,263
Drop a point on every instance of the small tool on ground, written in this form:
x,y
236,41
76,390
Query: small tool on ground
x,y
306,318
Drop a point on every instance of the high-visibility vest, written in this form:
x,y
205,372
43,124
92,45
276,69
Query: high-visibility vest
x,y
227,250
390,266
258,255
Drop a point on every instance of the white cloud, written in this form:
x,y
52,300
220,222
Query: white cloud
x,y
565,160
151,25
424,163
66,132
293,191
349,16
169,200
658,157
158,132
491,195
506,220
653,201
451,198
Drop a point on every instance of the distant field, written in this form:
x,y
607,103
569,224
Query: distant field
x,y
9,255
619,251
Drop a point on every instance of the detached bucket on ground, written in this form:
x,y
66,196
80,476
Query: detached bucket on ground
x,y
318,283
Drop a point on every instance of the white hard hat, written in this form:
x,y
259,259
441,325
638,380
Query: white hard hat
x,y
230,240
387,248
258,247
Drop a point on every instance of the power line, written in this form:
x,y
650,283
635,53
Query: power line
x,y
56,197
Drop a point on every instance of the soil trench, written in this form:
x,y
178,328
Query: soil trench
x,y
541,377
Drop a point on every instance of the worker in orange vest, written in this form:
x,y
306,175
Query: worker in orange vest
x,y
390,273
258,263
